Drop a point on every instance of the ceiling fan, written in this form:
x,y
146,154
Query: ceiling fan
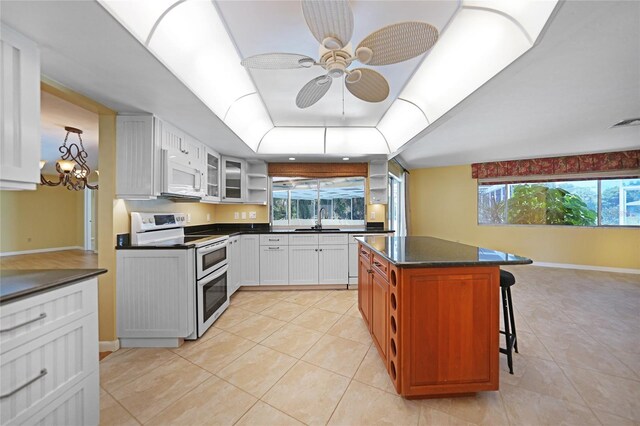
x,y
331,23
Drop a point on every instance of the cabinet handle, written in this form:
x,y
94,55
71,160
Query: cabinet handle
x,y
369,271
43,373
274,239
320,249
40,317
274,248
378,264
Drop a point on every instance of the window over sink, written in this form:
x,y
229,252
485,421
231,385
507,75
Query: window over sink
x,y
298,201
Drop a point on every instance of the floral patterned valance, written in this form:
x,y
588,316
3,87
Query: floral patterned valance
x,y
574,164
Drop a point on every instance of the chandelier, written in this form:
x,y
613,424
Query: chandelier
x,y
72,168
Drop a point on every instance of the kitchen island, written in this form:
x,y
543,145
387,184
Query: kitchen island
x,y
432,308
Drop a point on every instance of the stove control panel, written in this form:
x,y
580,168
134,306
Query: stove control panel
x,y
143,222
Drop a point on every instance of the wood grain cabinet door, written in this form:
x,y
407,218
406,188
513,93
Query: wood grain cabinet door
x,y
380,314
364,290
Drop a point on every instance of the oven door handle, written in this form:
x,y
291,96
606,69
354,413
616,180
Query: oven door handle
x,y
211,248
212,276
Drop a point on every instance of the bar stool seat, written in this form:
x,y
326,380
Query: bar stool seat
x,y
506,281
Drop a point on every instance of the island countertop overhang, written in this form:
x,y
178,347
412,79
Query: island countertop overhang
x,y
430,252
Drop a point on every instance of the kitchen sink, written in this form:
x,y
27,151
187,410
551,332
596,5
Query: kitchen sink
x,y
318,230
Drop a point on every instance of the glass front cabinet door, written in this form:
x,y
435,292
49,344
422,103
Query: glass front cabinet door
x,y
233,179
213,177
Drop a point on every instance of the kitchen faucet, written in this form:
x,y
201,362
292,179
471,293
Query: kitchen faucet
x,y
319,221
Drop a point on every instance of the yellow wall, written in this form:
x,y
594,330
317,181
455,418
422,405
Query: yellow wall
x,y
443,204
225,213
48,217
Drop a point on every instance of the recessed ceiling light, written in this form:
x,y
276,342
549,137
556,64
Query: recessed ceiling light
x,y
345,158
292,158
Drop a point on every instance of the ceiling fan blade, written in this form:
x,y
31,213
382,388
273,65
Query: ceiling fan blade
x,y
329,20
276,61
371,87
313,91
396,43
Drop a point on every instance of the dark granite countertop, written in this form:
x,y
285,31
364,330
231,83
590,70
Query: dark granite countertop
x,y
424,252
19,283
233,230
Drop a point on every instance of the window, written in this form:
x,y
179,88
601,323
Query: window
x,y
606,202
298,201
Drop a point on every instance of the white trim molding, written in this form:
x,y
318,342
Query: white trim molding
x,y
44,250
109,346
587,267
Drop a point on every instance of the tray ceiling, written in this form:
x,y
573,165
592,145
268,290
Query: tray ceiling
x,y
279,26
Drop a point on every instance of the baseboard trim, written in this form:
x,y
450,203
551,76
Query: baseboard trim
x,y
587,267
109,346
44,250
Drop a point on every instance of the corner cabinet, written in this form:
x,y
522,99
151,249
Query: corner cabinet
x,y
20,112
233,175
378,182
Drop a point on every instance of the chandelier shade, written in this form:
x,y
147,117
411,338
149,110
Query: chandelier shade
x,y
72,167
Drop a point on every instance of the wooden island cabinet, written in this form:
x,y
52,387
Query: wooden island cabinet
x,y
432,308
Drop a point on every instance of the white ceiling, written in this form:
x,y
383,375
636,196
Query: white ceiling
x,y
279,26
560,98
55,114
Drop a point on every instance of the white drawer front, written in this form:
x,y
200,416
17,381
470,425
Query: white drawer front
x,y
68,354
274,239
32,317
334,238
80,405
303,240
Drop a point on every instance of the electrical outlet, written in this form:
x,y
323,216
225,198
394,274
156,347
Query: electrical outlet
x,y
236,215
188,217
208,217
372,215
252,215
244,215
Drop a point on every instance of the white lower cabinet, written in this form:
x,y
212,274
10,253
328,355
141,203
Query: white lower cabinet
x,y
274,265
49,367
303,265
234,271
250,255
333,264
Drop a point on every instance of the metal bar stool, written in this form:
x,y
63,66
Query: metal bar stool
x,y
506,281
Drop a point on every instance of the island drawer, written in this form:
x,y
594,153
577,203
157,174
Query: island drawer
x,y
330,239
380,265
27,319
274,240
364,253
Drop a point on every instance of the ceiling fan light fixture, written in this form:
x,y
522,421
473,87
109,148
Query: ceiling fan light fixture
x,y
354,76
364,55
332,43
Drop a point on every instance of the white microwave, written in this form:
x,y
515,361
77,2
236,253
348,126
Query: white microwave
x,y
180,179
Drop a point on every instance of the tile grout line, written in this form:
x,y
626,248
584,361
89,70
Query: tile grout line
x,y
120,404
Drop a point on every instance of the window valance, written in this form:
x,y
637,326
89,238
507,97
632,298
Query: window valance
x,y
318,170
570,167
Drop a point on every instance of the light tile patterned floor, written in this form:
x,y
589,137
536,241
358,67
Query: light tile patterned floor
x,y
294,357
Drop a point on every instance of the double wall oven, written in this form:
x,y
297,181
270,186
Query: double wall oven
x,y
212,295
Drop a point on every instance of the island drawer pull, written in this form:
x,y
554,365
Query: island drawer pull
x,y
43,373
38,318
376,263
274,248
364,252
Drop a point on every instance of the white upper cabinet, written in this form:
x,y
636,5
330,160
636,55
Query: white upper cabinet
x,y
20,111
257,182
233,180
155,157
212,176
378,181
138,169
